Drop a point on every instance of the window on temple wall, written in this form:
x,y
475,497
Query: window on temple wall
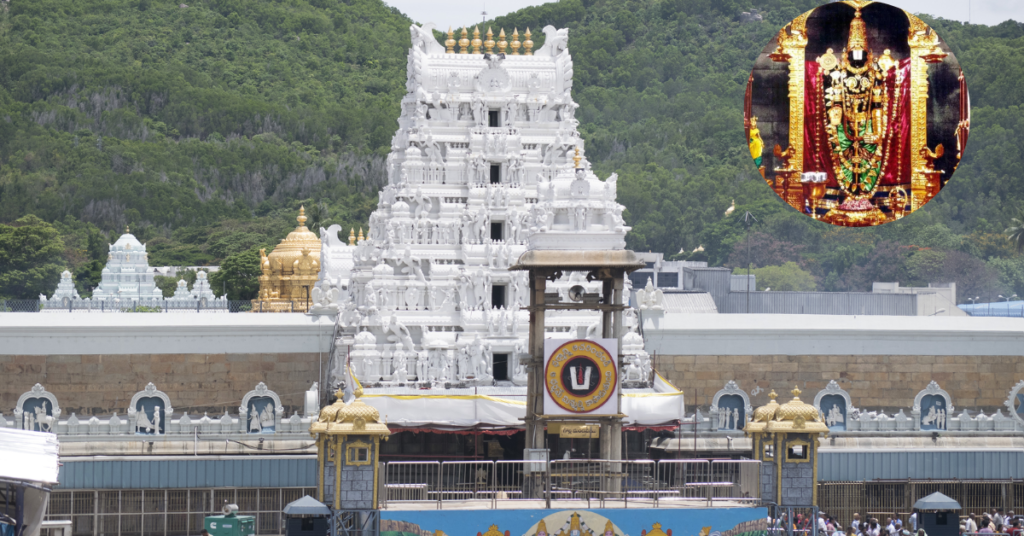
x,y
495,174
498,296
493,118
497,231
500,366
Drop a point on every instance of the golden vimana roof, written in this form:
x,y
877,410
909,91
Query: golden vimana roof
x,y
355,418
795,415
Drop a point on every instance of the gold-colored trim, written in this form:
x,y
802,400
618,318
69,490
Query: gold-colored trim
x,y
337,471
320,463
792,42
376,467
350,453
807,452
921,40
780,439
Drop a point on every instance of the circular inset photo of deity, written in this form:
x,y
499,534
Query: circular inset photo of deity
x,y
857,113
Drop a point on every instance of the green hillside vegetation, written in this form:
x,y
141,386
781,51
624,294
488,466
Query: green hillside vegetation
x,y
205,127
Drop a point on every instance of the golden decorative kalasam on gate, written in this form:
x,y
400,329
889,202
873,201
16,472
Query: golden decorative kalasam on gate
x,y
856,113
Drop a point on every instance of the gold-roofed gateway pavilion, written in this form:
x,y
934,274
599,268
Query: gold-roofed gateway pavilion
x,y
785,439
290,271
348,445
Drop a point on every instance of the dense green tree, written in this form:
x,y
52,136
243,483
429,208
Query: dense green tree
x,y
1015,232
205,127
30,258
239,274
787,277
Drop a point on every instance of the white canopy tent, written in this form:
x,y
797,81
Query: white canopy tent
x,y
505,407
28,469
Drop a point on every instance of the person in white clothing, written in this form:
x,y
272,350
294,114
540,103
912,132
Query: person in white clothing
x,y
855,524
971,525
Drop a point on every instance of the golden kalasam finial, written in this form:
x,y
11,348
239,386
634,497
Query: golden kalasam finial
x,y
126,230
858,34
464,42
450,42
302,216
489,43
352,236
360,234
796,393
772,395
515,42
528,44
502,43
576,159
476,40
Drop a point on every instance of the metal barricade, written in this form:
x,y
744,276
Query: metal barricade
x,y
640,482
466,481
646,483
411,482
511,481
684,480
735,480
575,479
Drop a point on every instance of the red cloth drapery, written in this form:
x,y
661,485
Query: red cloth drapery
x,y
896,141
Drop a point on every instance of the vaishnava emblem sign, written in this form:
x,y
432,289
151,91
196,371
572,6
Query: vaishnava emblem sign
x,y
580,377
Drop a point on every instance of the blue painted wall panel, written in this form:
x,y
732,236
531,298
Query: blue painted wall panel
x,y
920,465
248,472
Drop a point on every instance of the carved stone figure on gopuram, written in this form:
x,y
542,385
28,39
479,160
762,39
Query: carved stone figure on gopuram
x,y
868,122
487,161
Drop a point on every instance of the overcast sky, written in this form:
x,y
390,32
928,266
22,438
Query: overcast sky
x,y
458,12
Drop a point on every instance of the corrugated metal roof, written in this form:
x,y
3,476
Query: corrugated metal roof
x,y
920,464
715,281
823,303
187,472
690,303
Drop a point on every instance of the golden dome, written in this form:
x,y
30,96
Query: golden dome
x,y
766,412
796,408
290,249
358,409
329,413
290,271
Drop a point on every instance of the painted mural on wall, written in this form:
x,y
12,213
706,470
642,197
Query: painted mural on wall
x,y
582,522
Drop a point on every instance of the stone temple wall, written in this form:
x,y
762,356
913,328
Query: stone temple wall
x,y
197,383
874,381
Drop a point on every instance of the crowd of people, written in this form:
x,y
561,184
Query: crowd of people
x,y
995,523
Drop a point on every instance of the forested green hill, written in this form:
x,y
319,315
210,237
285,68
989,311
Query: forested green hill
x,y
204,127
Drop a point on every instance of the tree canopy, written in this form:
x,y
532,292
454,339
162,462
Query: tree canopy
x,y
205,126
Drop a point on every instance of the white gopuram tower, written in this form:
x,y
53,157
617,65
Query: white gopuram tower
x,y
481,166
127,275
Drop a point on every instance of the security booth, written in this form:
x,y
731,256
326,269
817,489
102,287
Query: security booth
x,y
306,517
939,515
230,523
